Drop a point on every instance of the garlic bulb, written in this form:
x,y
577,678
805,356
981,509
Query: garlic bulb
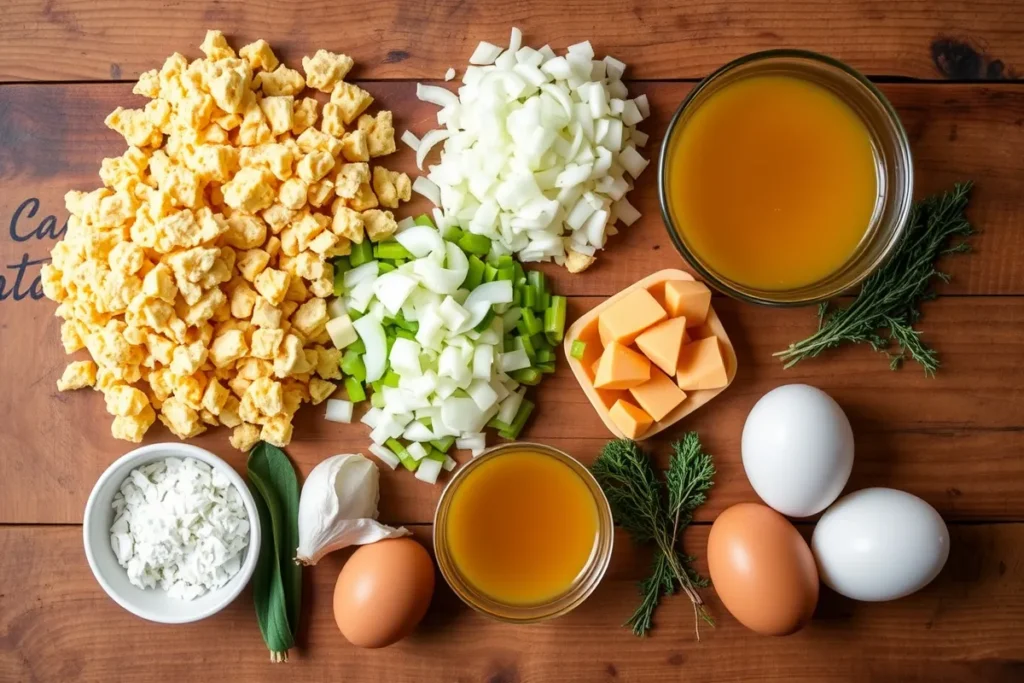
x,y
338,508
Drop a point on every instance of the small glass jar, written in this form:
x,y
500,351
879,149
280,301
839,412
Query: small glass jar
x,y
585,582
894,170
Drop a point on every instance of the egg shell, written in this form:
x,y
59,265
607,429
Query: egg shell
x,y
383,591
762,569
797,448
880,544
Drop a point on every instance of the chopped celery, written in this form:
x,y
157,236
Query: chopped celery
x,y
486,322
517,295
427,422
424,219
476,273
354,315
537,281
530,376
474,244
554,319
361,253
433,454
396,447
546,368
541,342
444,444
521,327
384,267
356,347
545,356
531,353
532,322
405,334
529,298
452,233
354,387
522,415
377,387
391,250
353,366
341,264
509,343
490,272
407,325
520,274
339,282
499,425
578,349
377,401
390,379
506,273
460,393
504,261
544,303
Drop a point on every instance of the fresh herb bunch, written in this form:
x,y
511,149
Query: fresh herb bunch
x,y
651,515
891,298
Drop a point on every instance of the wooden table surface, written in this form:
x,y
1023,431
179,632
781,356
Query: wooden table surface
x,y
957,440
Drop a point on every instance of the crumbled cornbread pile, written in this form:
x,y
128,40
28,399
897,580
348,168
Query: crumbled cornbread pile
x,y
197,276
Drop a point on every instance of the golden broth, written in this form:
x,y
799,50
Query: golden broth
x,y
522,527
772,182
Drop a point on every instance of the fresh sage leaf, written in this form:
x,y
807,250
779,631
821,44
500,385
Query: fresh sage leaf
x,y
277,580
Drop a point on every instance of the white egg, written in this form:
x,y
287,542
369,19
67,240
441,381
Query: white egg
x,y
797,449
880,544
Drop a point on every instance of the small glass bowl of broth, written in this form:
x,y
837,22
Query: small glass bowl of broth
x,y
785,178
523,533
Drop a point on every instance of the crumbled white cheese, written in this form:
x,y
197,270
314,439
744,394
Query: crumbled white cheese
x,y
180,525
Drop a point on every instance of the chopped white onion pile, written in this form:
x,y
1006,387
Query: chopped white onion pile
x,y
539,150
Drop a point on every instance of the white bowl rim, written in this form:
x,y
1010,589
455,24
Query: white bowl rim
x,y
233,588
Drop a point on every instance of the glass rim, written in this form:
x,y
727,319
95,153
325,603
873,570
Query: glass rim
x,y
585,584
822,290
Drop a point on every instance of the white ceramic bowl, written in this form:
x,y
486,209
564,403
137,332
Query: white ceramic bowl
x,y
155,604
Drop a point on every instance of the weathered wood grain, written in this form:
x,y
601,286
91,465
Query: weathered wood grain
x,y
53,139
84,40
955,439
56,625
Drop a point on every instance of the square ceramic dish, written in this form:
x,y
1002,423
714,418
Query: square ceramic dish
x,y
585,330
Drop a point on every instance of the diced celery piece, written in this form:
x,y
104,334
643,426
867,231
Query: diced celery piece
x,y
407,325
354,387
444,444
361,253
522,415
577,349
390,250
490,272
353,366
339,282
529,298
504,261
341,264
537,281
390,379
356,347
532,322
433,454
476,273
460,393
426,422
499,425
554,319
531,353
452,233
377,401
545,356
541,342
517,296
506,273
546,368
396,447
544,303
520,274
474,244
424,219
521,327
530,376
354,315
486,322
405,334
384,267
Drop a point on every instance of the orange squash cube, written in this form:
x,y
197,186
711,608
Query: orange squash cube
x,y
621,368
701,366
688,299
659,395
628,317
633,421
662,342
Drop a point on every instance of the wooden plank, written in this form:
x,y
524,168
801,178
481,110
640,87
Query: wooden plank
x,y
966,626
84,40
957,131
954,439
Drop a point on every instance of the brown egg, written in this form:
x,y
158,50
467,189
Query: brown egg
x,y
383,591
762,569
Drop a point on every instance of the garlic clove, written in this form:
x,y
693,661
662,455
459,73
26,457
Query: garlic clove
x,y
338,508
